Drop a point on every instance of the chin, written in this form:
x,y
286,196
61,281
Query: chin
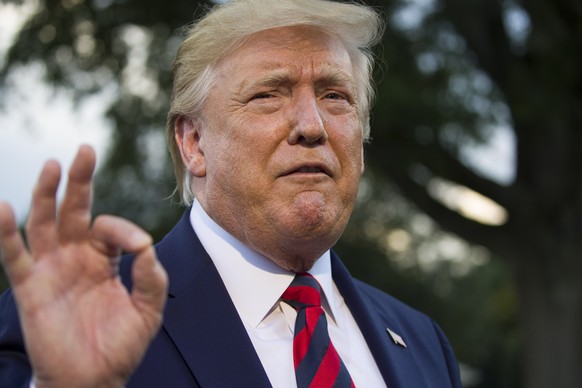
x,y
312,217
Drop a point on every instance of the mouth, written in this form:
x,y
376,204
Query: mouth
x,y
309,169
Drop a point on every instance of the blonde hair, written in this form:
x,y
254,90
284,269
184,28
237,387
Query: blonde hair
x,y
227,26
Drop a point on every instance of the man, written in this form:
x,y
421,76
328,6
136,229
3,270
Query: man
x,y
269,113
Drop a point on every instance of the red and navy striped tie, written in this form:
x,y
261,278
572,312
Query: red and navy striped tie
x,y
317,363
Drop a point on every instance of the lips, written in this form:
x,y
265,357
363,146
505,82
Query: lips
x,y
309,168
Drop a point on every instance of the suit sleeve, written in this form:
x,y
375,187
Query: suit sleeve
x,y
15,370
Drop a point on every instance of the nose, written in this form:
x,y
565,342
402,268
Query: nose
x,y
307,125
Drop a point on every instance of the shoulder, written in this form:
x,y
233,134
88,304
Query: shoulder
x,y
394,311
418,331
382,300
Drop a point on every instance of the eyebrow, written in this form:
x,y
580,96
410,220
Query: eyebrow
x,y
277,77
334,77
273,78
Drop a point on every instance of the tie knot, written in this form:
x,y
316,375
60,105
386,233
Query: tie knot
x,y
304,291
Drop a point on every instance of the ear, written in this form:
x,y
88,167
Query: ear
x,y
189,139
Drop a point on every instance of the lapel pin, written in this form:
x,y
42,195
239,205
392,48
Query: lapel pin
x,y
396,338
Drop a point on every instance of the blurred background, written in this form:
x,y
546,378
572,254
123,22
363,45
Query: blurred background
x,y
471,205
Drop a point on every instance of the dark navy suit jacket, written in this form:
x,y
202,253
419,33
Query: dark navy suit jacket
x,y
203,343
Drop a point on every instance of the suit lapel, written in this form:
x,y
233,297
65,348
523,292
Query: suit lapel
x,y
200,317
396,363
202,321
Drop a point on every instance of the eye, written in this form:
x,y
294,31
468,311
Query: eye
x,y
338,97
335,96
264,102
260,96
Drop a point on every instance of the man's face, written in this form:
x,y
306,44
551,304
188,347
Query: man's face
x,y
281,144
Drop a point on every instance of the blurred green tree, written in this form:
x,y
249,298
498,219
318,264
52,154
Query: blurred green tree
x,y
454,72
479,64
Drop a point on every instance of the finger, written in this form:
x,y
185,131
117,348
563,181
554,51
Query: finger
x,y
75,212
149,279
15,258
111,234
40,227
150,286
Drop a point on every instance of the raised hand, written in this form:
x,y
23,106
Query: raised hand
x,y
81,326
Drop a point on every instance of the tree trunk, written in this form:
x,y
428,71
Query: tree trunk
x,y
550,293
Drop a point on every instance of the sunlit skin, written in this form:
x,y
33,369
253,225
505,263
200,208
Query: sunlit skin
x,y
62,279
277,151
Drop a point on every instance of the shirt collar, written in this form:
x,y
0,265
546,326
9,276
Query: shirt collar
x,y
254,282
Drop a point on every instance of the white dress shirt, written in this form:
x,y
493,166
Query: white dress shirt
x,y
270,322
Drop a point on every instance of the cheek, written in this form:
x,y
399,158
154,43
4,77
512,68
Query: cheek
x,y
243,148
349,153
349,150
257,139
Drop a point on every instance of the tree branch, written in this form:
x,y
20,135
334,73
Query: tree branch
x,y
481,24
452,169
492,237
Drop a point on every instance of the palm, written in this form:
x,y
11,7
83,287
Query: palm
x,y
81,325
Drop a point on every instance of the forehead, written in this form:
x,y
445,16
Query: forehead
x,y
294,49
